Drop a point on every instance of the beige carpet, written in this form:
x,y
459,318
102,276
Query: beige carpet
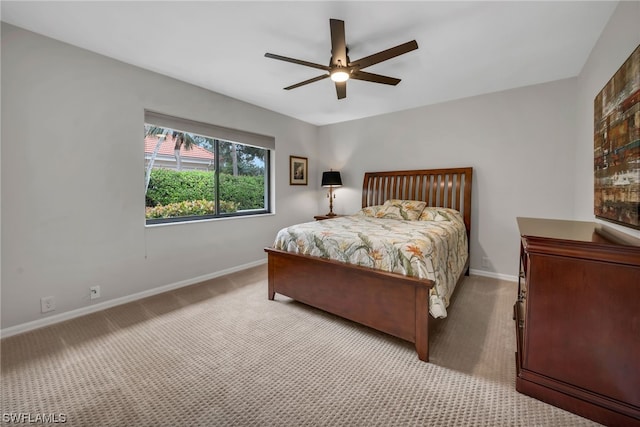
x,y
219,353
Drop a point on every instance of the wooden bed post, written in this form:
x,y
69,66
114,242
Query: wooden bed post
x,y
422,323
271,292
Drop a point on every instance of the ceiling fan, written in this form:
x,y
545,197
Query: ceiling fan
x,y
341,68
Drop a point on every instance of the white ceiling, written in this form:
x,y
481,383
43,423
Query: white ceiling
x,y
465,48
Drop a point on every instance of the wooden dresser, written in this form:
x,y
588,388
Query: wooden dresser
x,y
578,319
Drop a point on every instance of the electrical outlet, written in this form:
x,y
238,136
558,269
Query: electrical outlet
x,y
485,262
47,304
94,292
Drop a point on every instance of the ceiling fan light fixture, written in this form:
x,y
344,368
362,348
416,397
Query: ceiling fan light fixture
x,y
341,69
339,75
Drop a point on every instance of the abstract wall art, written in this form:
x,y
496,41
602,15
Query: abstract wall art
x,y
617,146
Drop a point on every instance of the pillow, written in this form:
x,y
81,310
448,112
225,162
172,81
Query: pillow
x,y
369,211
440,214
401,209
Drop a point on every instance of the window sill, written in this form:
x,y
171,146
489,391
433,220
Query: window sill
x,y
198,221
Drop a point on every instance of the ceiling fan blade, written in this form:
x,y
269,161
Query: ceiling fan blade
x,y
297,61
338,42
367,61
306,82
341,89
375,78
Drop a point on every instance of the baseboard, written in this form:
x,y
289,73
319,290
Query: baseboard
x,y
36,324
40,323
493,275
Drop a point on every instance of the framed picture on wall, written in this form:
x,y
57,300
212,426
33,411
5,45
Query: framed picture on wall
x,y
617,146
298,170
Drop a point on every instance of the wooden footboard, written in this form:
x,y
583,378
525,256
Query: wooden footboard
x,y
392,303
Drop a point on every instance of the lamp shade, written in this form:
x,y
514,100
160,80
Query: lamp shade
x,y
331,179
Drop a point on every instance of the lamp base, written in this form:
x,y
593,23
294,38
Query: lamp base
x,y
330,214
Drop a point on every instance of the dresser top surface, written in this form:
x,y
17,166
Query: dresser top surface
x,y
576,231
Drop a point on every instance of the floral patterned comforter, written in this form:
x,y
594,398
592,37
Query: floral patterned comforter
x,y
433,249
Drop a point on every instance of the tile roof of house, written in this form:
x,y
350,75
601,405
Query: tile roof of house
x,y
166,149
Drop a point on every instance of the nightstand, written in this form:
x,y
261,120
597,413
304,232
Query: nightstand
x,y
321,217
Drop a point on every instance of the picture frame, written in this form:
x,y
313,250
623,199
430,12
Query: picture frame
x,y
298,170
617,146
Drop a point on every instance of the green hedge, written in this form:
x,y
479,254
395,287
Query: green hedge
x,y
246,191
169,186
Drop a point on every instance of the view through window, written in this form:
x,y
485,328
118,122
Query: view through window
x,y
190,175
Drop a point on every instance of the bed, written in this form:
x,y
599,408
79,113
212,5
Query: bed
x,y
389,301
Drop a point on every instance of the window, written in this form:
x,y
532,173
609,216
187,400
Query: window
x,y
197,171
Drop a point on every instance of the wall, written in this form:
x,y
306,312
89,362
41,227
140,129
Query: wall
x,y
71,165
619,38
520,143
531,148
73,181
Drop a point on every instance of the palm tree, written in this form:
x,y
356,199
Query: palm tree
x,y
181,139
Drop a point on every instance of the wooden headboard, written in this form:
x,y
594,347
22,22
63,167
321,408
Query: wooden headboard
x,y
445,188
